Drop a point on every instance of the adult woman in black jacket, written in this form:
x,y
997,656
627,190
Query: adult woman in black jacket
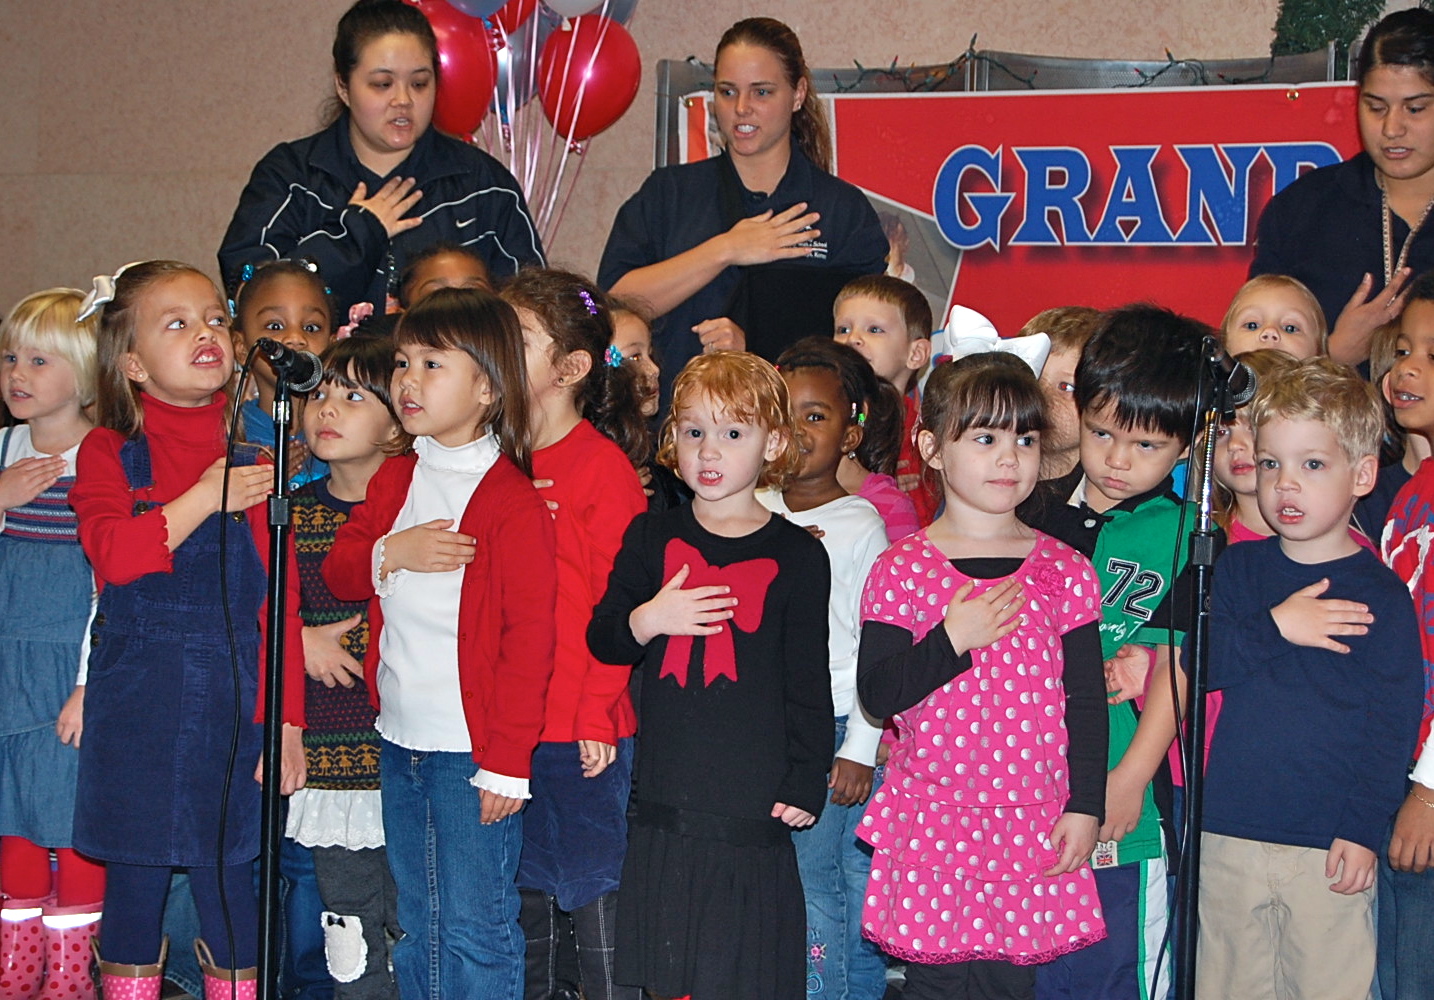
x,y
379,184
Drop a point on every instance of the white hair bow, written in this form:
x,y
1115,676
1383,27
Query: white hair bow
x,y
102,292
967,332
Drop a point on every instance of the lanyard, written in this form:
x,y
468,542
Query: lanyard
x,y
1391,268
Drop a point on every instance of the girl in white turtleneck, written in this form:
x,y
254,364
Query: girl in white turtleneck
x,y
455,550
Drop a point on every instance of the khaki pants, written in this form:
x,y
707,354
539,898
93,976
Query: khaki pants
x,y
1270,929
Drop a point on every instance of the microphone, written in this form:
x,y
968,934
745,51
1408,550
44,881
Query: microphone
x,y
301,369
1235,377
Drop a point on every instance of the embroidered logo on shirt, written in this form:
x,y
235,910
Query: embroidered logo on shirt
x,y
817,249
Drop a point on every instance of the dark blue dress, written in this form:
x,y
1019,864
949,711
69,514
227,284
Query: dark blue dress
x,y
163,701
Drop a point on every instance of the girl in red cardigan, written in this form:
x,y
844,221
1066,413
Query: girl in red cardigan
x,y
585,426
454,550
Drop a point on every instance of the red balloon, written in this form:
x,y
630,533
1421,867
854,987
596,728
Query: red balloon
x,y
469,67
588,76
514,14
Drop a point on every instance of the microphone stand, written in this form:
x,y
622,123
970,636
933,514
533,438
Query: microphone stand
x,y
271,831
1216,406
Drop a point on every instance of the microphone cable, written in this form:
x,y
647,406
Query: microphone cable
x,y
234,668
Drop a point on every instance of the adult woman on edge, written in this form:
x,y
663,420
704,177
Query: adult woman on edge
x,y
1355,232
378,184
755,231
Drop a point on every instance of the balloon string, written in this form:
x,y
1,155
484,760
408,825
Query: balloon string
x,y
554,159
563,208
553,182
529,114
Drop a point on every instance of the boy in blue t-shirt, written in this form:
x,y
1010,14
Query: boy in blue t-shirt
x,y
1321,706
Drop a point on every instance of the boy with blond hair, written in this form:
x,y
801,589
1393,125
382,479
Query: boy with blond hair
x,y
888,322
1327,683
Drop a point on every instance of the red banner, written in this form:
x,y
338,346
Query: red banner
x,y
1093,197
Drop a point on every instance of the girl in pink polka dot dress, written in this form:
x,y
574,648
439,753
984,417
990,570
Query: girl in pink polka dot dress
x,y
980,639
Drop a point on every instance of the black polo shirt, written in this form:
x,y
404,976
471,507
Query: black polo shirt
x,y
679,207
1326,229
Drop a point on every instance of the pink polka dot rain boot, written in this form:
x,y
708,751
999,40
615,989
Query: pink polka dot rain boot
x,y
131,982
68,932
225,984
22,949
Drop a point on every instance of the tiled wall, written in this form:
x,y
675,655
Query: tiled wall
x,y
129,128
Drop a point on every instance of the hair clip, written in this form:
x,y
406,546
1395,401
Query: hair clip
x,y
233,309
102,292
307,263
613,356
246,273
588,301
358,312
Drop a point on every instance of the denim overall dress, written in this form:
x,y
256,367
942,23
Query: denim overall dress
x,y
160,705
45,588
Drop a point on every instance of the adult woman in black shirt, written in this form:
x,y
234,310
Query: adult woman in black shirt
x,y
762,230
1355,232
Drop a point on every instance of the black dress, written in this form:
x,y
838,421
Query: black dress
x,y
711,902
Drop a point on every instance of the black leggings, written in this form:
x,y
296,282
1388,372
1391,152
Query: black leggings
x,y
134,906
982,980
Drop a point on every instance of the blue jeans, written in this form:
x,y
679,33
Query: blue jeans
x,y
181,926
834,865
457,898
1404,930
305,971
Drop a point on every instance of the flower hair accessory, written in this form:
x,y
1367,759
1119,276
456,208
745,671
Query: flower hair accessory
x,y
612,357
588,301
358,312
102,293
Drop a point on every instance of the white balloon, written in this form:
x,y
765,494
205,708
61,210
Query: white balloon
x,y
572,8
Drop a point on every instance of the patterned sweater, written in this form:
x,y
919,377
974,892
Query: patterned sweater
x,y
340,741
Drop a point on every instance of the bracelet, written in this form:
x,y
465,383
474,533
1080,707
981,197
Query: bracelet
x,y
1421,798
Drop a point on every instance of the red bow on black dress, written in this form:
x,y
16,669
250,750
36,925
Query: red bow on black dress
x,y
748,581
